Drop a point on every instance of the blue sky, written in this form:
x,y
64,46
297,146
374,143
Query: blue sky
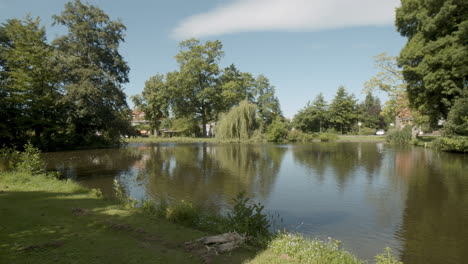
x,y
303,46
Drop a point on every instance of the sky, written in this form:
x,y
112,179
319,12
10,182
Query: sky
x,y
303,46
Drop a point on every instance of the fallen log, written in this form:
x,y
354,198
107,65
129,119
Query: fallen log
x,y
217,244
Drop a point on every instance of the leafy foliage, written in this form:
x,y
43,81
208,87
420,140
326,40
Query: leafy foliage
x,y
277,131
451,144
435,57
399,136
457,120
248,218
342,111
313,117
386,258
93,74
239,123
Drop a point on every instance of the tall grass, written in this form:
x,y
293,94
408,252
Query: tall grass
x,y
399,136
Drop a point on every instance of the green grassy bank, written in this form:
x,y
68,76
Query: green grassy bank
x,y
45,220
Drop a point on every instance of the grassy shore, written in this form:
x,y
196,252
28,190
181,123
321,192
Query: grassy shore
x,y
45,220
153,139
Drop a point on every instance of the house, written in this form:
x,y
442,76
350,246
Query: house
x,y
138,120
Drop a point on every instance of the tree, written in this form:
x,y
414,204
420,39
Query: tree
x,y
239,123
236,86
369,112
266,101
195,85
342,110
435,57
278,130
154,100
29,88
457,121
313,117
390,80
93,74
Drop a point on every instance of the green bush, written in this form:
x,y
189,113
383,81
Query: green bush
x,y
366,131
248,219
30,160
324,137
303,250
399,136
184,213
386,258
299,136
451,144
457,119
277,131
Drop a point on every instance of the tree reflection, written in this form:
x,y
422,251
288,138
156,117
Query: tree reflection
x,y
434,221
342,158
211,175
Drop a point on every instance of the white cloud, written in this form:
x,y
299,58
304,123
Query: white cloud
x,y
286,15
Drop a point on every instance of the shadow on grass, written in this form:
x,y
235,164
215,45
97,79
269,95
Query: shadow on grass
x,y
47,227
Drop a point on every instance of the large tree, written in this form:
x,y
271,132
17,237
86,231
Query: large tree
x,y
28,89
195,86
268,106
236,86
369,112
342,111
93,73
154,101
312,118
435,58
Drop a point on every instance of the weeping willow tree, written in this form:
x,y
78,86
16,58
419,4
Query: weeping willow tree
x,y
240,122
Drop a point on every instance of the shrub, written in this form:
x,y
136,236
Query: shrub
x,y
248,219
184,213
30,160
328,137
299,136
457,119
386,258
303,250
277,131
451,144
399,136
366,131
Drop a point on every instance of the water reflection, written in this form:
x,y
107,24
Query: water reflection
x,y
368,195
436,213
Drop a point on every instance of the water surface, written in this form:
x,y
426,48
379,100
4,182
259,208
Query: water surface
x,y
368,195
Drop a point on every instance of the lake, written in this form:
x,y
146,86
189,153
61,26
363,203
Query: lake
x,y
368,195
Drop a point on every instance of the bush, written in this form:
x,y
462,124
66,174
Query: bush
x,y
30,160
457,120
386,258
248,219
367,131
324,137
299,136
277,131
184,213
451,144
303,250
399,136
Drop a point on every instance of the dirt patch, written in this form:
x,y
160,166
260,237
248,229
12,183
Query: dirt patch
x,y
80,212
51,244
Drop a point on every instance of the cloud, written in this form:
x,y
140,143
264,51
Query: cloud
x,y
286,15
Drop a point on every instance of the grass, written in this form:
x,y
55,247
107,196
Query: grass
x,y
44,220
